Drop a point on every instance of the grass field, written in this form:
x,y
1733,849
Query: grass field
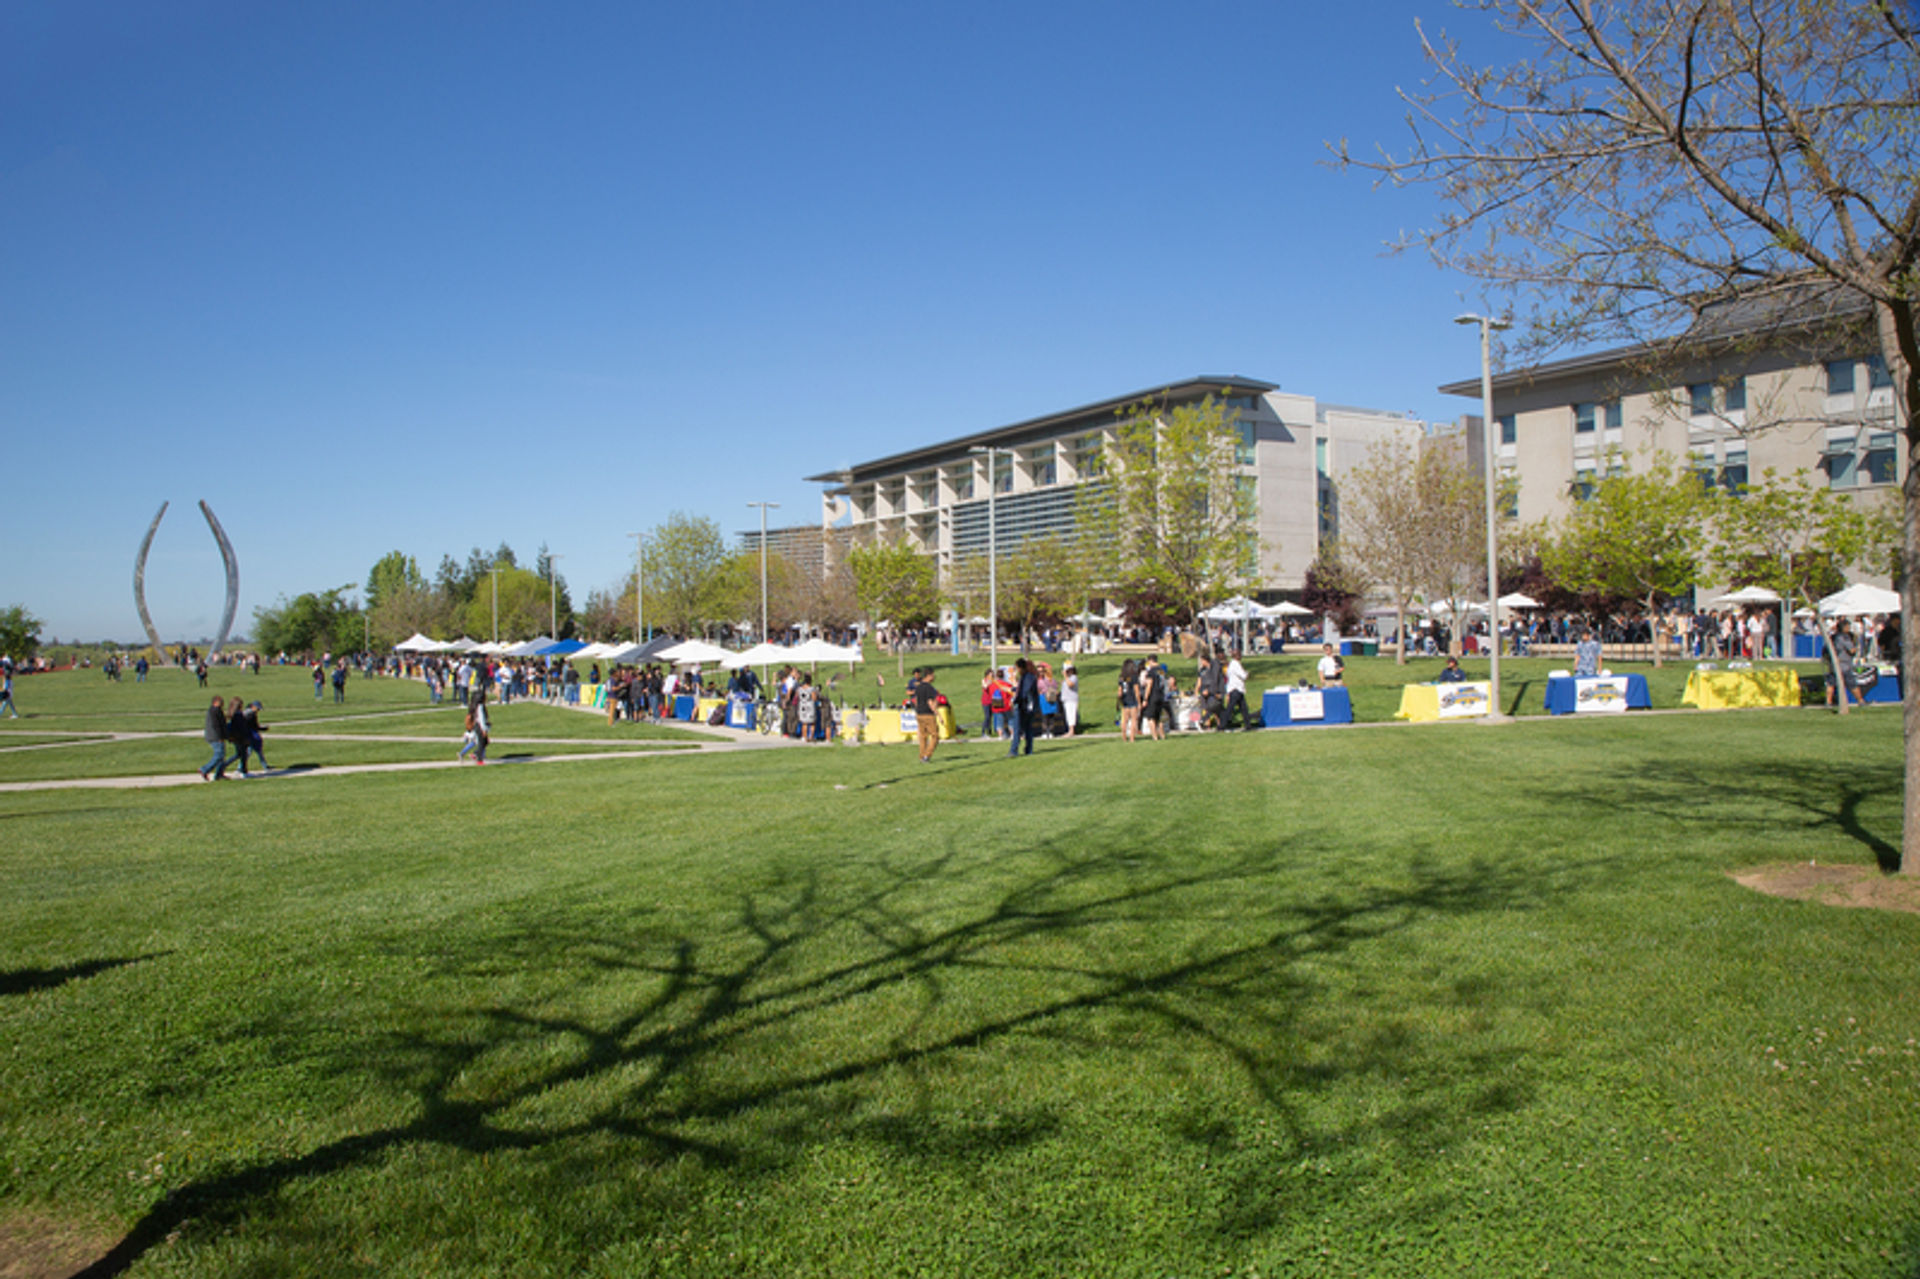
x,y
1455,1000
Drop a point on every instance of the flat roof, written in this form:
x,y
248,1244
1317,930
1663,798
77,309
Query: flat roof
x,y
1040,427
1795,306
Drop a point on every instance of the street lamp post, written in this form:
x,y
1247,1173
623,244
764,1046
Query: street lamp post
x,y
639,612
1487,446
553,597
494,574
763,564
993,551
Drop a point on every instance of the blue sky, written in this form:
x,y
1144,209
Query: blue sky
x,y
420,276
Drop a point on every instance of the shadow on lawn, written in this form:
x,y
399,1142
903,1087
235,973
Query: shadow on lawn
x,y
1826,796
20,981
745,1045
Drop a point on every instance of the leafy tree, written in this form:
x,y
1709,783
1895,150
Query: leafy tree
x,y
1642,534
893,583
1333,588
522,601
19,632
405,609
686,565
394,571
1797,539
1639,161
309,623
1174,509
1041,583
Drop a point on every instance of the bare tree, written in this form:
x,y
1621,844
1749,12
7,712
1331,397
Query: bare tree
x,y
1644,161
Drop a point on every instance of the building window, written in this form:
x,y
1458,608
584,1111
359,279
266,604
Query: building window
x,y
1839,377
1616,416
1050,472
1700,399
1320,456
1735,395
1509,429
1733,475
1243,449
1583,484
1878,464
1841,460
1877,376
1583,420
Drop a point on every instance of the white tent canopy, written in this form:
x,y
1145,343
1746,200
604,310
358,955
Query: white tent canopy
x,y
1860,600
1517,600
758,655
694,651
818,650
1749,595
1285,608
1237,609
529,648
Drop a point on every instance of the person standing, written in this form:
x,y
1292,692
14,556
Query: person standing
x,y
1158,698
1333,671
6,690
926,715
214,733
1237,697
1129,698
1026,708
1586,656
340,682
1070,698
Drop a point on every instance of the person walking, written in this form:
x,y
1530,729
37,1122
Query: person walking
x,y
1070,698
214,733
238,734
1237,711
478,729
250,722
926,715
6,691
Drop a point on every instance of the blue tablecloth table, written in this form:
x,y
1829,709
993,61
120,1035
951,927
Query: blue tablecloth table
x,y
1336,706
1563,694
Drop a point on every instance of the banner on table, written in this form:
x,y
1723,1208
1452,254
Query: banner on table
x,y
1464,701
909,722
1306,703
1600,694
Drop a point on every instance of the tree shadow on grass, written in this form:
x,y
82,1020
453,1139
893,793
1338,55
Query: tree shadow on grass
x,y
1825,797
742,1045
21,981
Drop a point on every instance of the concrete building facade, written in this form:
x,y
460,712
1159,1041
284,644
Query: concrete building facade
x,y
1790,384
1293,450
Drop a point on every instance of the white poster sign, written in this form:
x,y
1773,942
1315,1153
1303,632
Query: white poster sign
x,y
1305,703
1603,694
1464,701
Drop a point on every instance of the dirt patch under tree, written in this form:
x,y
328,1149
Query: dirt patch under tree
x,y
1866,887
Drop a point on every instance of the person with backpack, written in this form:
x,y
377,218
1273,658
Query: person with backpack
x,y
1000,703
1157,704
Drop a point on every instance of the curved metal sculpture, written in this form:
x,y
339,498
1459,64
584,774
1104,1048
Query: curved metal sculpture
x,y
233,580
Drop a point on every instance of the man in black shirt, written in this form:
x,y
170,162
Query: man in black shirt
x,y
926,714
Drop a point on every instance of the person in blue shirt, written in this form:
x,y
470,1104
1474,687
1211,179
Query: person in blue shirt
x,y
1586,656
1452,674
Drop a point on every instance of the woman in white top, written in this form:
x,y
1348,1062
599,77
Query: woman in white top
x,y
1070,698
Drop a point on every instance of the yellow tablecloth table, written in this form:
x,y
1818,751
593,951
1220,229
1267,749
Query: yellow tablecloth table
x,y
1421,702
883,726
704,708
1713,690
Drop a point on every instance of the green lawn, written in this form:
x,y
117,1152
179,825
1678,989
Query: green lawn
x,y
74,715
1451,1001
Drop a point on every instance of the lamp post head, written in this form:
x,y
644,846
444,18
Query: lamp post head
x,y
1492,323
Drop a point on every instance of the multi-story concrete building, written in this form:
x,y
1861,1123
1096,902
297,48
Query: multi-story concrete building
x,y
1788,383
1293,449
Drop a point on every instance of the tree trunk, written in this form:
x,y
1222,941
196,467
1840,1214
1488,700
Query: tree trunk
x,y
1400,632
1839,677
1895,321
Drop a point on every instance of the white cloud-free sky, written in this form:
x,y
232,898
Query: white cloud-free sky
x,y
430,276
